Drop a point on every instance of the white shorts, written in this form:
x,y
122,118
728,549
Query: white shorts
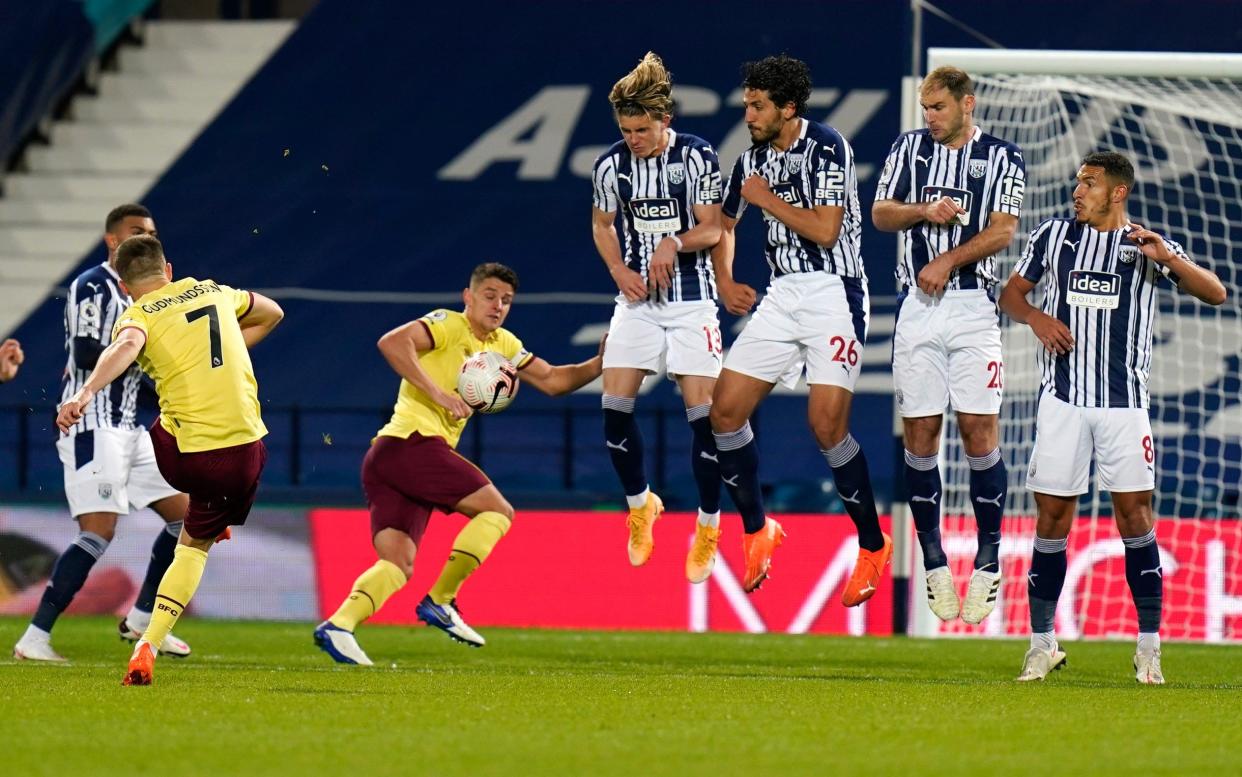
x,y
682,337
1066,436
108,470
947,354
812,320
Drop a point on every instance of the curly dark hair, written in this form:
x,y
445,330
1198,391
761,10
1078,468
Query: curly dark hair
x,y
785,79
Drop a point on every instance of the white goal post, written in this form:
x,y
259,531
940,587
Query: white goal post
x,y
1178,117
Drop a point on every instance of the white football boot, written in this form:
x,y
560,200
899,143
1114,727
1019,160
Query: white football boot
x,y
980,595
942,594
1037,664
172,645
1147,668
34,649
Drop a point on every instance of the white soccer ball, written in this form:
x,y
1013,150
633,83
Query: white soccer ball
x,y
487,382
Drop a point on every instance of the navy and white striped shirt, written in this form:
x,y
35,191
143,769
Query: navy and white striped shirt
x,y
1101,286
817,170
94,304
656,197
985,176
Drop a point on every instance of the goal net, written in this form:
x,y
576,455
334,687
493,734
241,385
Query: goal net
x,y
1179,119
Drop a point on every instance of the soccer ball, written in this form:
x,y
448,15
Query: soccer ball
x,y
487,382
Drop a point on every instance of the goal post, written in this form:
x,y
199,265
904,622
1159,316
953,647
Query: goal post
x,y
1178,117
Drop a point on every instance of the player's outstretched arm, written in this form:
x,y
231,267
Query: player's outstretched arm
x,y
11,357
1191,278
401,347
262,318
563,378
738,298
113,363
1054,335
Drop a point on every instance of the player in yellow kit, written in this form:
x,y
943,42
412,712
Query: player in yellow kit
x,y
412,466
192,337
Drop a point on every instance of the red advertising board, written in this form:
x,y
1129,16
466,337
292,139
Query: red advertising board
x,y
1201,566
565,569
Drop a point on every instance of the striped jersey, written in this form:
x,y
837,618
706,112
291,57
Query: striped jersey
x,y
94,304
656,197
1101,286
985,176
817,170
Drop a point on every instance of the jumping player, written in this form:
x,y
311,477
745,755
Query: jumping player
x,y
667,188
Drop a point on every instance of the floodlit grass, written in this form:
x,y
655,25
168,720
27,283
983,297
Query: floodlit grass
x,y
259,698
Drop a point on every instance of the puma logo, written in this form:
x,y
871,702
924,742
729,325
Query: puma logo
x,y
1073,244
832,149
618,446
1030,578
854,500
933,499
730,481
926,160
708,456
996,501
866,590
623,175
1157,572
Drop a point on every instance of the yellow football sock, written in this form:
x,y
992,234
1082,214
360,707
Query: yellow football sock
x,y
471,548
175,592
370,591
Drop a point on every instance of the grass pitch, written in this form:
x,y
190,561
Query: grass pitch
x,y
259,698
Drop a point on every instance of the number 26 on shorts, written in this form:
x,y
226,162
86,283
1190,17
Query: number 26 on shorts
x,y
847,350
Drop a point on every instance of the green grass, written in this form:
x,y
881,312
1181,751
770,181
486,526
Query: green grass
x,y
258,698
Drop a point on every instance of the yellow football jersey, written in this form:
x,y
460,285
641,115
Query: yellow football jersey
x,y
453,343
195,353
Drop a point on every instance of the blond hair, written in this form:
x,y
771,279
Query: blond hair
x,y
955,80
645,91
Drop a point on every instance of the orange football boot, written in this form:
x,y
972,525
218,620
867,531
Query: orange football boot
x,y
758,548
867,570
141,666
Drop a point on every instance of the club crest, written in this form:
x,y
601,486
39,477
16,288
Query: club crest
x,y
978,168
1128,254
676,173
105,490
795,164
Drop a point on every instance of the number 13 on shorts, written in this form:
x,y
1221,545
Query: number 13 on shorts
x,y
715,344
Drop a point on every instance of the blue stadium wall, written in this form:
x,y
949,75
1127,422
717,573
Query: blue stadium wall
x,y
368,156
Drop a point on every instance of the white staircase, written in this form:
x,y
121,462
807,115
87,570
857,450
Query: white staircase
x,y
116,145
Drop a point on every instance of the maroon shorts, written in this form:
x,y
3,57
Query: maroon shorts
x,y
221,483
404,480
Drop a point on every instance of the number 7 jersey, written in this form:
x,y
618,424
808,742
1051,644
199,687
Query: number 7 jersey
x,y
195,353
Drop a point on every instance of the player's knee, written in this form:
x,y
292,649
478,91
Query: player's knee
x,y
102,524
725,419
829,432
978,439
503,507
